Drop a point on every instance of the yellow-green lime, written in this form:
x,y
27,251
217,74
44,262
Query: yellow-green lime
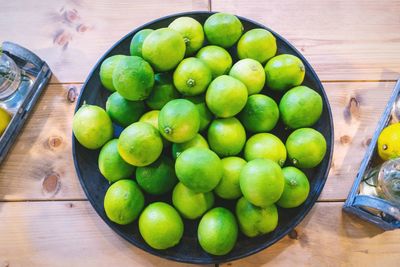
x,y
300,107
226,137
133,78
251,73
226,96
260,114
262,182
160,225
223,29
254,221
107,69
204,113
389,142
5,119
217,59
163,91
199,168
123,201
92,126
122,111
217,232
306,147
192,76
189,203
151,117
197,141
228,187
140,144
258,44
164,48
296,188
265,146
136,45
191,31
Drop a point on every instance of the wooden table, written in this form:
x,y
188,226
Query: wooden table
x,y
45,219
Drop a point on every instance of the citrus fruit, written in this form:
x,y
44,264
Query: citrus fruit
x,y
122,111
179,121
300,107
140,144
111,165
217,59
228,187
251,73
284,71
389,142
254,221
157,178
151,117
199,168
133,78
226,96
226,137
306,147
160,225
217,232
5,119
265,146
189,203
204,113
262,182
136,45
197,141
258,44
260,114
163,91
123,201
164,48
223,29
92,126
192,76
191,31
107,69
296,188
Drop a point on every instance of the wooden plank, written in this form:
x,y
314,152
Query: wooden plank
x,y
343,40
71,234
71,35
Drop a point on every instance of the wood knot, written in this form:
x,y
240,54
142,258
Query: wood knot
x,y
70,205
345,139
54,141
302,49
352,109
367,142
72,94
293,234
51,183
6,264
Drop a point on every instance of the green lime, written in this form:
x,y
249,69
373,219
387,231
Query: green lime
x,y
283,72
189,203
217,232
199,168
389,142
160,225
163,91
306,147
262,182
251,73
265,146
300,107
228,187
137,42
192,76
122,111
5,118
205,114
217,59
179,121
151,117
226,96
191,31
123,201
164,48
260,114
133,78
254,221
111,165
296,188
157,178
223,29
197,141
258,44
92,126
226,137
140,144
107,69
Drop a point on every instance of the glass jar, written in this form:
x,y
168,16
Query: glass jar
x,y
10,76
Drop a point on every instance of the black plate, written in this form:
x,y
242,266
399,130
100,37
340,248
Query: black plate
x,y
188,250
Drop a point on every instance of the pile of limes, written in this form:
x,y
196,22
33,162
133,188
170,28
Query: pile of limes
x,y
197,126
